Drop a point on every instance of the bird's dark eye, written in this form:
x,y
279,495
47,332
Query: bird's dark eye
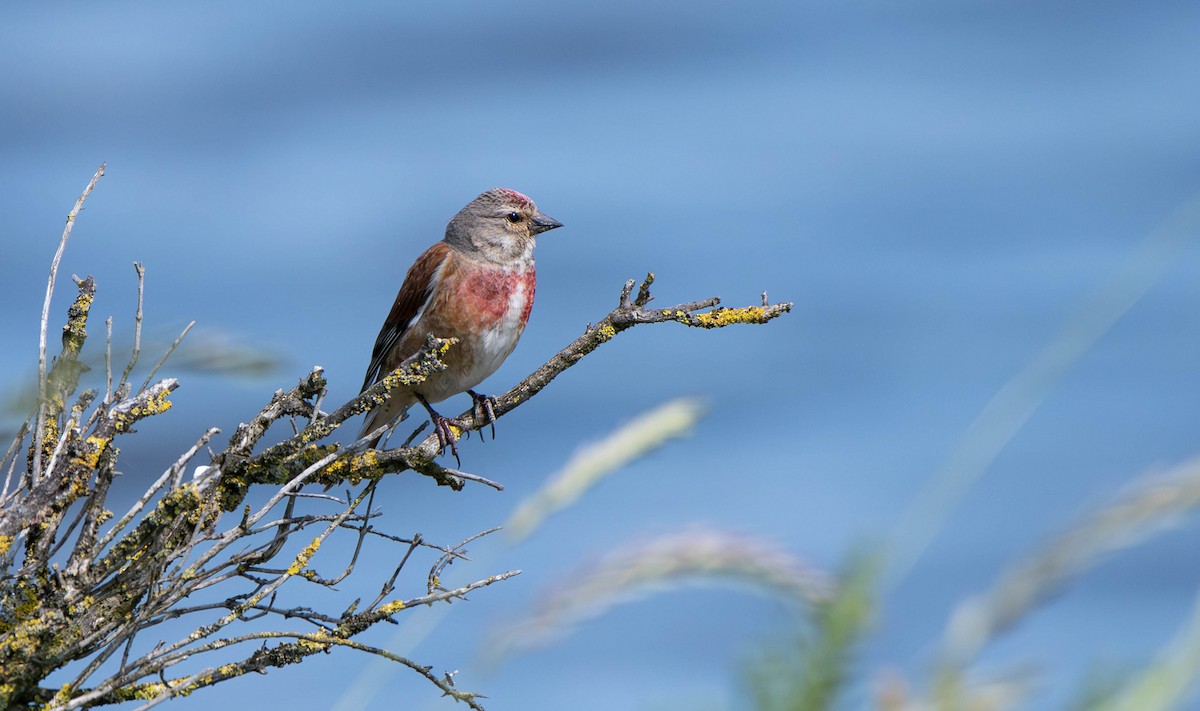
x,y
514,217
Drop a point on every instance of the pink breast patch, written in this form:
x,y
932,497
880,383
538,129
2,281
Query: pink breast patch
x,y
530,279
489,295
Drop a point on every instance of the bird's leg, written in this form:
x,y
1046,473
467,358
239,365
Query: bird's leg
x,y
485,404
442,426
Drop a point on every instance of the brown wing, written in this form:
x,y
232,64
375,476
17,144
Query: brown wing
x,y
410,301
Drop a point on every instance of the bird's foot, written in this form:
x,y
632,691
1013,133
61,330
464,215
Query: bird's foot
x,y
484,407
444,427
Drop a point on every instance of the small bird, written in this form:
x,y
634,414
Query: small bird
x,y
475,285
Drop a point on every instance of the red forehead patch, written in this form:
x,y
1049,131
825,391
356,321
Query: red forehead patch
x,y
515,196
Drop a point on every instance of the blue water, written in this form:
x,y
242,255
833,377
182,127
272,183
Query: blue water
x,y
939,187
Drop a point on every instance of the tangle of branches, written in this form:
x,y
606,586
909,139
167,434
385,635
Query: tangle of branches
x,y
82,590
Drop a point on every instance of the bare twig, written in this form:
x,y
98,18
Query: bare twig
x,y
180,464
390,584
165,356
108,373
137,326
455,553
11,454
62,245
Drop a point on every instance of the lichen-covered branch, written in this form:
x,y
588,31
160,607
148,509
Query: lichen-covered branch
x,y
80,587
629,313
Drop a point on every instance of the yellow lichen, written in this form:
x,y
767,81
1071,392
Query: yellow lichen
x,y
149,691
303,557
351,470
62,697
80,606
5,544
156,405
89,456
417,372
312,645
366,460
607,332
725,317
50,436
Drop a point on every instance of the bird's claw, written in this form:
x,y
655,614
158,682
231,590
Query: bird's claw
x,y
484,407
444,427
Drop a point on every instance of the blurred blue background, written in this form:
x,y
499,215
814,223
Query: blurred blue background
x,y
939,186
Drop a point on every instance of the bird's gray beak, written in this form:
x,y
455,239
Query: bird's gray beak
x,y
543,223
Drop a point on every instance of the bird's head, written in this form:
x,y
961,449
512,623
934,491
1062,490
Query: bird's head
x,y
500,225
